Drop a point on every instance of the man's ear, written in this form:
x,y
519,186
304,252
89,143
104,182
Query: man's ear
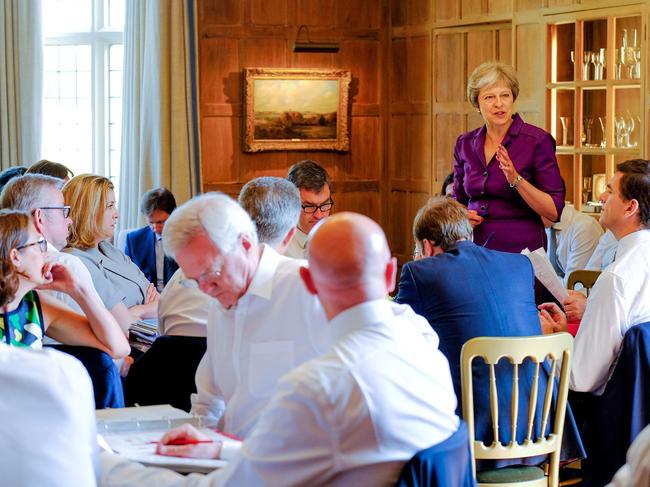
x,y
38,220
305,275
632,207
391,274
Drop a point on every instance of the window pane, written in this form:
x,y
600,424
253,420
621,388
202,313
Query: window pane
x,y
60,16
116,56
116,14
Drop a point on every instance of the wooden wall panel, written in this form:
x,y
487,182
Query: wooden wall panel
x,y
360,14
419,68
268,12
447,129
418,12
449,71
400,244
419,128
219,144
218,58
221,12
480,48
471,9
316,13
523,5
398,74
365,56
363,202
364,163
446,10
264,53
504,45
499,7
530,64
399,155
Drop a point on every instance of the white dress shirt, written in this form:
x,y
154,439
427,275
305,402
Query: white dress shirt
x,y
604,253
577,236
182,311
274,327
160,262
353,416
619,300
48,424
297,248
636,471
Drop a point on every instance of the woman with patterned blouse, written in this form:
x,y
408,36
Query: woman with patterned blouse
x,y
26,315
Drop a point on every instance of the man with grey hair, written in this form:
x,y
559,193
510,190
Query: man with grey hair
x,y
262,322
274,206
316,202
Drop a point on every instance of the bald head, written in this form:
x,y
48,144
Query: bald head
x,y
349,261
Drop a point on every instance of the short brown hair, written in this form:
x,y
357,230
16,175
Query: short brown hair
x,y
87,195
157,199
442,221
487,74
14,232
635,185
309,175
50,168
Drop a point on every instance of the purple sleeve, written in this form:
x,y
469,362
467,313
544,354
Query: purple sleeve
x,y
546,175
459,176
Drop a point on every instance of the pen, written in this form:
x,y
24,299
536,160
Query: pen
x,y
180,442
488,239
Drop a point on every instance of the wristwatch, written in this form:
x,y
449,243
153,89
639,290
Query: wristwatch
x,y
516,182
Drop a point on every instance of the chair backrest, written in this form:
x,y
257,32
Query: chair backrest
x,y
552,351
584,277
445,464
120,240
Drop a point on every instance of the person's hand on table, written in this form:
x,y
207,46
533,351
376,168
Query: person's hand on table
x,y
474,218
152,294
187,441
552,318
574,306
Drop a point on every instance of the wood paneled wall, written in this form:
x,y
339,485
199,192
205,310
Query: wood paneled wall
x,y
234,34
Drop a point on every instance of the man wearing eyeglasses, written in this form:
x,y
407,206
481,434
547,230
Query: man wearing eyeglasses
x,y
313,182
262,322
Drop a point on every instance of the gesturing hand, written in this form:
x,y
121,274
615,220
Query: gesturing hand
x,y
505,164
551,318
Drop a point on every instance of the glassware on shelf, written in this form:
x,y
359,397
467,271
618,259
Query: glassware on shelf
x,y
628,55
600,64
637,66
619,126
586,189
566,122
618,65
587,136
629,129
603,125
586,59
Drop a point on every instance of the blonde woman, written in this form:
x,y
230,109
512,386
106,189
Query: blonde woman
x,y
27,314
506,172
123,287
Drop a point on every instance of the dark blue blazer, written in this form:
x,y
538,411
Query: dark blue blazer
x,y
470,291
140,247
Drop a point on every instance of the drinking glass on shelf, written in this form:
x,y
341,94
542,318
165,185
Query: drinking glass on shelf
x,y
628,56
601,63
629,130
565,121
587,124
618,64
586,189
622,137
603,124
637,66
586,59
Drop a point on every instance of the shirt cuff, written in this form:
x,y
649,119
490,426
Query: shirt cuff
x,y
229,449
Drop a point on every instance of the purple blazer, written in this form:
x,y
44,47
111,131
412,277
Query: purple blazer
x,y
510,225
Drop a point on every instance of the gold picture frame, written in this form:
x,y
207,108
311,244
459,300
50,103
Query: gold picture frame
x,y
598,185
296,109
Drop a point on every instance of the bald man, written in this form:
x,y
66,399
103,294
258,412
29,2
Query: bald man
x,y
356,414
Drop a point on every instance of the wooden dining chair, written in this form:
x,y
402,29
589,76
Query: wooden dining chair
x,y
584,277
550,353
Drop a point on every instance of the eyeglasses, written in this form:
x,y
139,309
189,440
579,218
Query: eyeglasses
x,y
42,245
65,209
214,273
324,208
416,253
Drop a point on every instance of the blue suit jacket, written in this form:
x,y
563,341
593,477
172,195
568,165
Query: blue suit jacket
x,y
140,247
471,291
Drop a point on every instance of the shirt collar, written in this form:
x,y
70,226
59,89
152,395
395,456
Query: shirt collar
x,y
262,283
360,316
301,238
157,237
631,240
513,131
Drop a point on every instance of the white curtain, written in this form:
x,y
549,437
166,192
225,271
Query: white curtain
x,y
21,82
159,122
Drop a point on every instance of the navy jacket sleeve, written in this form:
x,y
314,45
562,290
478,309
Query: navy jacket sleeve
x,y
407,292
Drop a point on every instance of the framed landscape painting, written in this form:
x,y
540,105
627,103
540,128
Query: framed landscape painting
x,y
296,109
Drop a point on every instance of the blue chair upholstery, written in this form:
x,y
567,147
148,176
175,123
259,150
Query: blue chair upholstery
x,y
447,464
107,383
617,417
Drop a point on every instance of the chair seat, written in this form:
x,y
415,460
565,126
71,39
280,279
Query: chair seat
x,y
508,475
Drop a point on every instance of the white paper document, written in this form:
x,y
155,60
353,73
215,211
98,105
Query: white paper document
x,y
545,273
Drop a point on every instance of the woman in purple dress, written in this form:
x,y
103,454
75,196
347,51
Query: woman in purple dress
x,y
506,172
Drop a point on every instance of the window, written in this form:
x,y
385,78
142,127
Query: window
x,y
82,84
